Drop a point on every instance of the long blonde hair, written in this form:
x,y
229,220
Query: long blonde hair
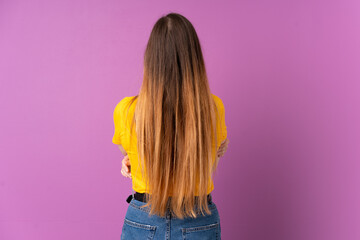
x,y
175,118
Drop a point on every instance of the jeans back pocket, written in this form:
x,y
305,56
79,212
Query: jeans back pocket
x,y
137,231
204,232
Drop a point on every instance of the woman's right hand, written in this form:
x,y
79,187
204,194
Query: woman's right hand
x,y
223,148
125,167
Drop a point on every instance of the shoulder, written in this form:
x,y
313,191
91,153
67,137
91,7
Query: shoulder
x,y
123,102
121,105
218,101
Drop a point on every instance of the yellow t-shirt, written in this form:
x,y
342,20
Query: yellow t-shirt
x,y
122,136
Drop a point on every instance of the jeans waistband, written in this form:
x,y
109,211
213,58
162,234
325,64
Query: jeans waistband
x,y
141,197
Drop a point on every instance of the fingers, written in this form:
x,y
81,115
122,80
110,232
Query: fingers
x,y
221,153
223,148
125,167
126,163
128,175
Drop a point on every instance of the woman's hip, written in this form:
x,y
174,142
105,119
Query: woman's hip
x,y
138,224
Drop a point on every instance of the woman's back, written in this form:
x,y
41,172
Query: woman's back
x,y
122,134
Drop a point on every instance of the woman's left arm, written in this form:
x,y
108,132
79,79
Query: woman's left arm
x,y
122,149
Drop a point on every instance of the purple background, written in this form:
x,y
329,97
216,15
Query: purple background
x,y
287,71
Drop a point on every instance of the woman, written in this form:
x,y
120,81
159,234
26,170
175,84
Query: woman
x,y
172,134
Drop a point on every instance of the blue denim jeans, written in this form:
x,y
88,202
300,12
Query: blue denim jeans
x,y
138,224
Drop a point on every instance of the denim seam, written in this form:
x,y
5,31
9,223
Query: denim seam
x,y
200,228
140,225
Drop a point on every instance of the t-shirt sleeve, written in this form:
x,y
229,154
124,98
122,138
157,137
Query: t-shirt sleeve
x,y
118,123
223,129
